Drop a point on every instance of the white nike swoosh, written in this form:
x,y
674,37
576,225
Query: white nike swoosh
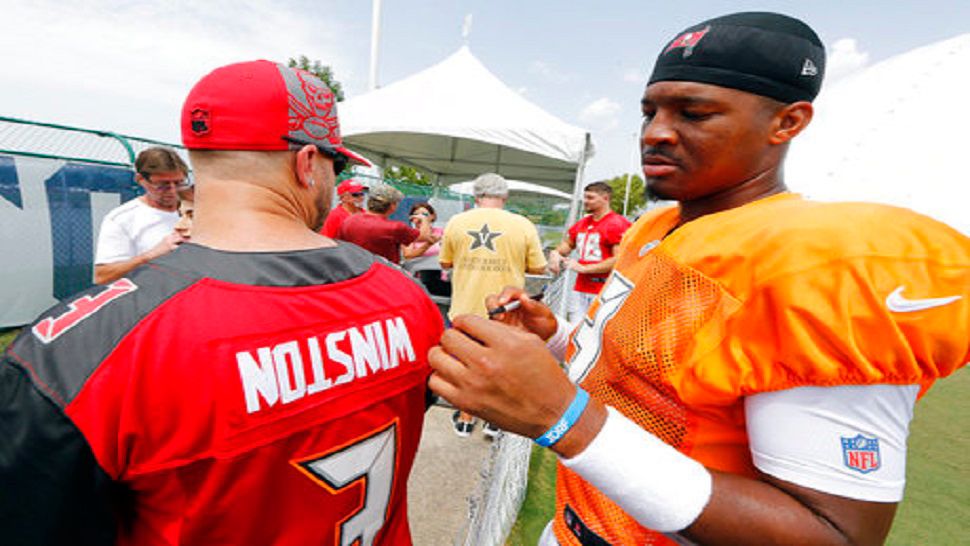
x,y
897,303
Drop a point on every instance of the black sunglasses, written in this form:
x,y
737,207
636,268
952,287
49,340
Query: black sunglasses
x,y
339,160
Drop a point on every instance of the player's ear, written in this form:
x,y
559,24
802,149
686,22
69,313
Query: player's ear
x,y
790,120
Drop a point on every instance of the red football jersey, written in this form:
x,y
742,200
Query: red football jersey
x,y
336,217
594,241
268,399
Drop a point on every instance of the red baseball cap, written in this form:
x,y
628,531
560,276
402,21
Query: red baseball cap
x,y
350,186
262,105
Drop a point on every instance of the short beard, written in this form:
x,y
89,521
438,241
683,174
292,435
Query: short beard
x,y
651,193
323,210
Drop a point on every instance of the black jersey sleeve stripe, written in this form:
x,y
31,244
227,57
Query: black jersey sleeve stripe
x,y
91,340
52,490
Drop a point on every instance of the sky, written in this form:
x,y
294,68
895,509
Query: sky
x,y
126,66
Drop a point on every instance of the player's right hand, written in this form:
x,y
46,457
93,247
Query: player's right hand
x,y
531,316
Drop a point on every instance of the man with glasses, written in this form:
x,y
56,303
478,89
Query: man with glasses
x,y
143,229
261,384
351,195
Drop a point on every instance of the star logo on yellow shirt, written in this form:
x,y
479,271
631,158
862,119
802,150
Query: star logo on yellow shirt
x,y
483,238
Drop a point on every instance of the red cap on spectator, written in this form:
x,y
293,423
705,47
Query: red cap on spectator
x,y
262,105
350,186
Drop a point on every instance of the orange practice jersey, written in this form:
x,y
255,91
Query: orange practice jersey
x,y
776,294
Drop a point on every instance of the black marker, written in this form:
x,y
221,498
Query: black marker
x,y
513,305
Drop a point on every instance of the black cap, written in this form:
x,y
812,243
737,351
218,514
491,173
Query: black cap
x,y
767,54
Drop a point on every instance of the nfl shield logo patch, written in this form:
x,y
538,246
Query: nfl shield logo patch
x,y
861,454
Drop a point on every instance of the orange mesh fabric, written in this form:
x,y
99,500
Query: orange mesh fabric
x,y
772,295
664,308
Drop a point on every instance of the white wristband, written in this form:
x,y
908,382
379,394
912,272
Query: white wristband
x,y
560,340
655,484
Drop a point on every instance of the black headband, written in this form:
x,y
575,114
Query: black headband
x,y
762,53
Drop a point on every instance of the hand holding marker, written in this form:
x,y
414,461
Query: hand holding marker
x,y
512,305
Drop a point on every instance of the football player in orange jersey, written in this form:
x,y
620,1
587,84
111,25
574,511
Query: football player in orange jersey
x,y
748,373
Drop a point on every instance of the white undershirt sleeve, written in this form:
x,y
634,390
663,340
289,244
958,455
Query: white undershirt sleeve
x,y
846,440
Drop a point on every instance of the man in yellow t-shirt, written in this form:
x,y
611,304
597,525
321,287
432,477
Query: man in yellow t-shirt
x,y
488,248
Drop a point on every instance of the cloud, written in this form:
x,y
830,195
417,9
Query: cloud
x,y
844,59
548,72
635,75
601,114
126,66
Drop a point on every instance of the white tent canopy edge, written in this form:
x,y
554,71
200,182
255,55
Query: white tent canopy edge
x,y
457,120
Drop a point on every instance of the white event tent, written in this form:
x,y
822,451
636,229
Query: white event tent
x,y
457,120
468,188
894,133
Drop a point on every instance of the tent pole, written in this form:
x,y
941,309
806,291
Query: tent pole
x,y
573,213
578,185
629,178
375,40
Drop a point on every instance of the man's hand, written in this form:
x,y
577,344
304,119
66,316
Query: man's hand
x,y
166,245
575,265
531,316
423,225
555,261
110,272
501,374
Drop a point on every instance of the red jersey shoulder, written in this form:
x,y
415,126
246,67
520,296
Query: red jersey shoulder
x,y
614,225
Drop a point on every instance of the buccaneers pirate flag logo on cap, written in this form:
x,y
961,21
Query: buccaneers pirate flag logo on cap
x,y
687,41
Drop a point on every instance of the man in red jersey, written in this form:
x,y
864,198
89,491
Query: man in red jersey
x,y
748,373
595,237
228,392
350,194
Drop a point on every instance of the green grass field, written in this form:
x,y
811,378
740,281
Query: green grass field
x,y
7,336
936,509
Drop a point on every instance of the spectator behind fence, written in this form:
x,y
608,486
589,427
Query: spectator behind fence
x,y
374,231
595,237
255,386
141,230
421,257
350,194
431,246
186,214
487,248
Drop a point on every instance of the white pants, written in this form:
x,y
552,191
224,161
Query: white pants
x,y
578,303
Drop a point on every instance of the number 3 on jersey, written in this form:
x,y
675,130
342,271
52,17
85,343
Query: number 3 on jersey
x,y
588,338
372,459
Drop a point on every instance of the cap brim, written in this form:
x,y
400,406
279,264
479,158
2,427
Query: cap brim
x,y
355,157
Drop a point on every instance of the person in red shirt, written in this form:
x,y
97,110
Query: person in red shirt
x,y
351,194
374,231
595,237
239,389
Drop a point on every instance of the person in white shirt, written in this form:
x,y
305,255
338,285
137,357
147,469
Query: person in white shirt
x,y
142,229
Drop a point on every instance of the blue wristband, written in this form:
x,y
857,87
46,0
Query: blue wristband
x,y
567,420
